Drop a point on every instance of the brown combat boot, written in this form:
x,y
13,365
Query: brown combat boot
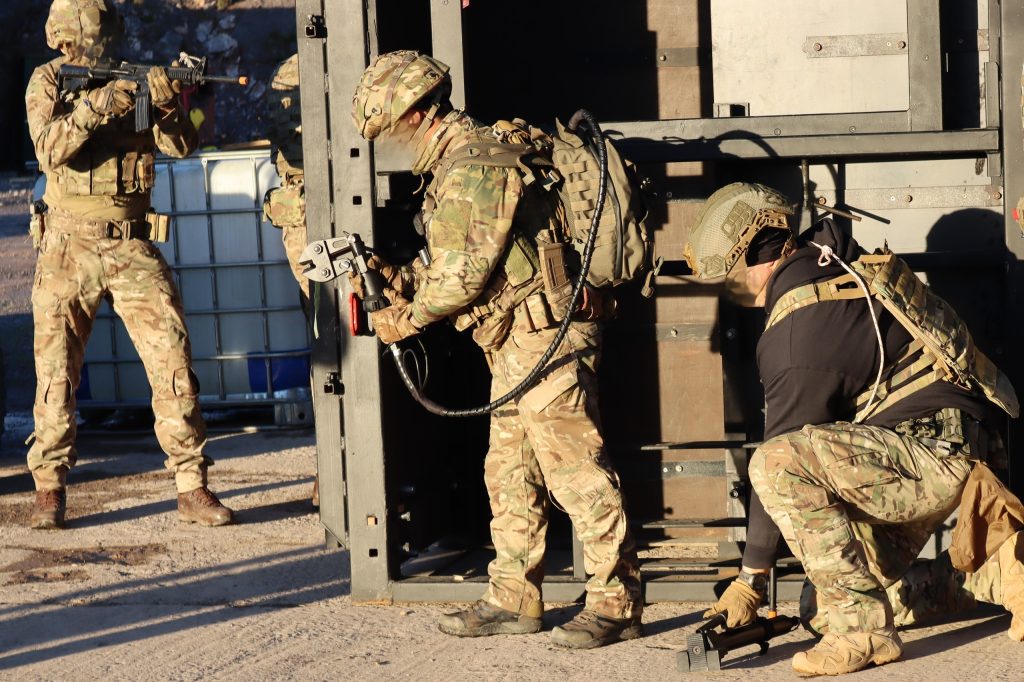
x,y
316,493
590,629
486,619
1011,575
838,654
48,510
202,507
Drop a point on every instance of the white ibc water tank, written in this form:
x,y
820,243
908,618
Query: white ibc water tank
x,y
250,340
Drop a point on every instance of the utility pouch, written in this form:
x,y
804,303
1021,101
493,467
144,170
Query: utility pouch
x,y
557,285
159,226
37,222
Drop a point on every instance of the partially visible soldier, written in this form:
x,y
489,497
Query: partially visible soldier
x,y
285,206
866,453
95,245
483,224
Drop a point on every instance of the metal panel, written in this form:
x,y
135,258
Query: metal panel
x,y
446,37
1011,61
925,64
758,57
316,150
352,172
648,141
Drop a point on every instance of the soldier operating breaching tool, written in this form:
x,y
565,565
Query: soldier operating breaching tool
x,y
96,243
484,227
878,416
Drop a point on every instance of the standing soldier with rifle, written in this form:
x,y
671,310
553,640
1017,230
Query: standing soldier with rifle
x,y
94,236
285,206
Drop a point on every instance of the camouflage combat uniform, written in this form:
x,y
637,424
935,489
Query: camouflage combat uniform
x,y
99,174
285,206
482,227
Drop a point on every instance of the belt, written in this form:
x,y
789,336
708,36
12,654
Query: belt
x,y
97,229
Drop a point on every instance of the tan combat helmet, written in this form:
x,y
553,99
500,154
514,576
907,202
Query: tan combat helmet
x,y
728,223
90,25
392,85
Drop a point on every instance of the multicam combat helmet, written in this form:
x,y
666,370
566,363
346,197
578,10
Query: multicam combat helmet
x,y
87,24
392,85
728,223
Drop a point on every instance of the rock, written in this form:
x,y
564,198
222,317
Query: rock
x,y
203,31
227,22
220,42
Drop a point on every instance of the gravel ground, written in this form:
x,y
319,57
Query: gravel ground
x,y
128,593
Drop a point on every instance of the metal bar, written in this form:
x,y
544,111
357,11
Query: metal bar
x,y
446,43
958,196
214,295
239,264
1010,50
762,126
317,144
860,45
222,311
261,273
216,211
743,146
212,358
655,589
693,523
925,63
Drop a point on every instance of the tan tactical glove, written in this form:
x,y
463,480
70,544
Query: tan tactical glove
x,y
113,99
394,276
395,322
163,91
739,603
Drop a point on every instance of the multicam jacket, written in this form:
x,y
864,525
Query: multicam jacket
x,y
482,225
97,167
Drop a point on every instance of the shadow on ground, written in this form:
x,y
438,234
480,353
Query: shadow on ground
x,y
186,599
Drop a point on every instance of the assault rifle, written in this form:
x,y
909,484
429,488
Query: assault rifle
x,y
192,71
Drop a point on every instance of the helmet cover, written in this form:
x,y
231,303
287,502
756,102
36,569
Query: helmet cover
x,y
392,85
728,222
90,25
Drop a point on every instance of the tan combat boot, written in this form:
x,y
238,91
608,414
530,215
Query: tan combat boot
x,y
51,499
483,619
202,507
838,654
590,629
1011,570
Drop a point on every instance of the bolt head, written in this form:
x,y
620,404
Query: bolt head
x,y
817,47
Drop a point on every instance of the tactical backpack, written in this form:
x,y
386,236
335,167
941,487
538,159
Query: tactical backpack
x,y
565,162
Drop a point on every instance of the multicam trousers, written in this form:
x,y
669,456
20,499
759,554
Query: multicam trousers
x,y
930,589
73,276
550,440
856,504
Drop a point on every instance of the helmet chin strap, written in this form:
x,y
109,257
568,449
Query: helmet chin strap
x,y
427,143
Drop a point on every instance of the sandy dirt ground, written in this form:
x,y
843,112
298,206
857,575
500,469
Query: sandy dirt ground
x,y
129,593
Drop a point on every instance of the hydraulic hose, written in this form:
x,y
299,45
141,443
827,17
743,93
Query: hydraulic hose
x,y
396,353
